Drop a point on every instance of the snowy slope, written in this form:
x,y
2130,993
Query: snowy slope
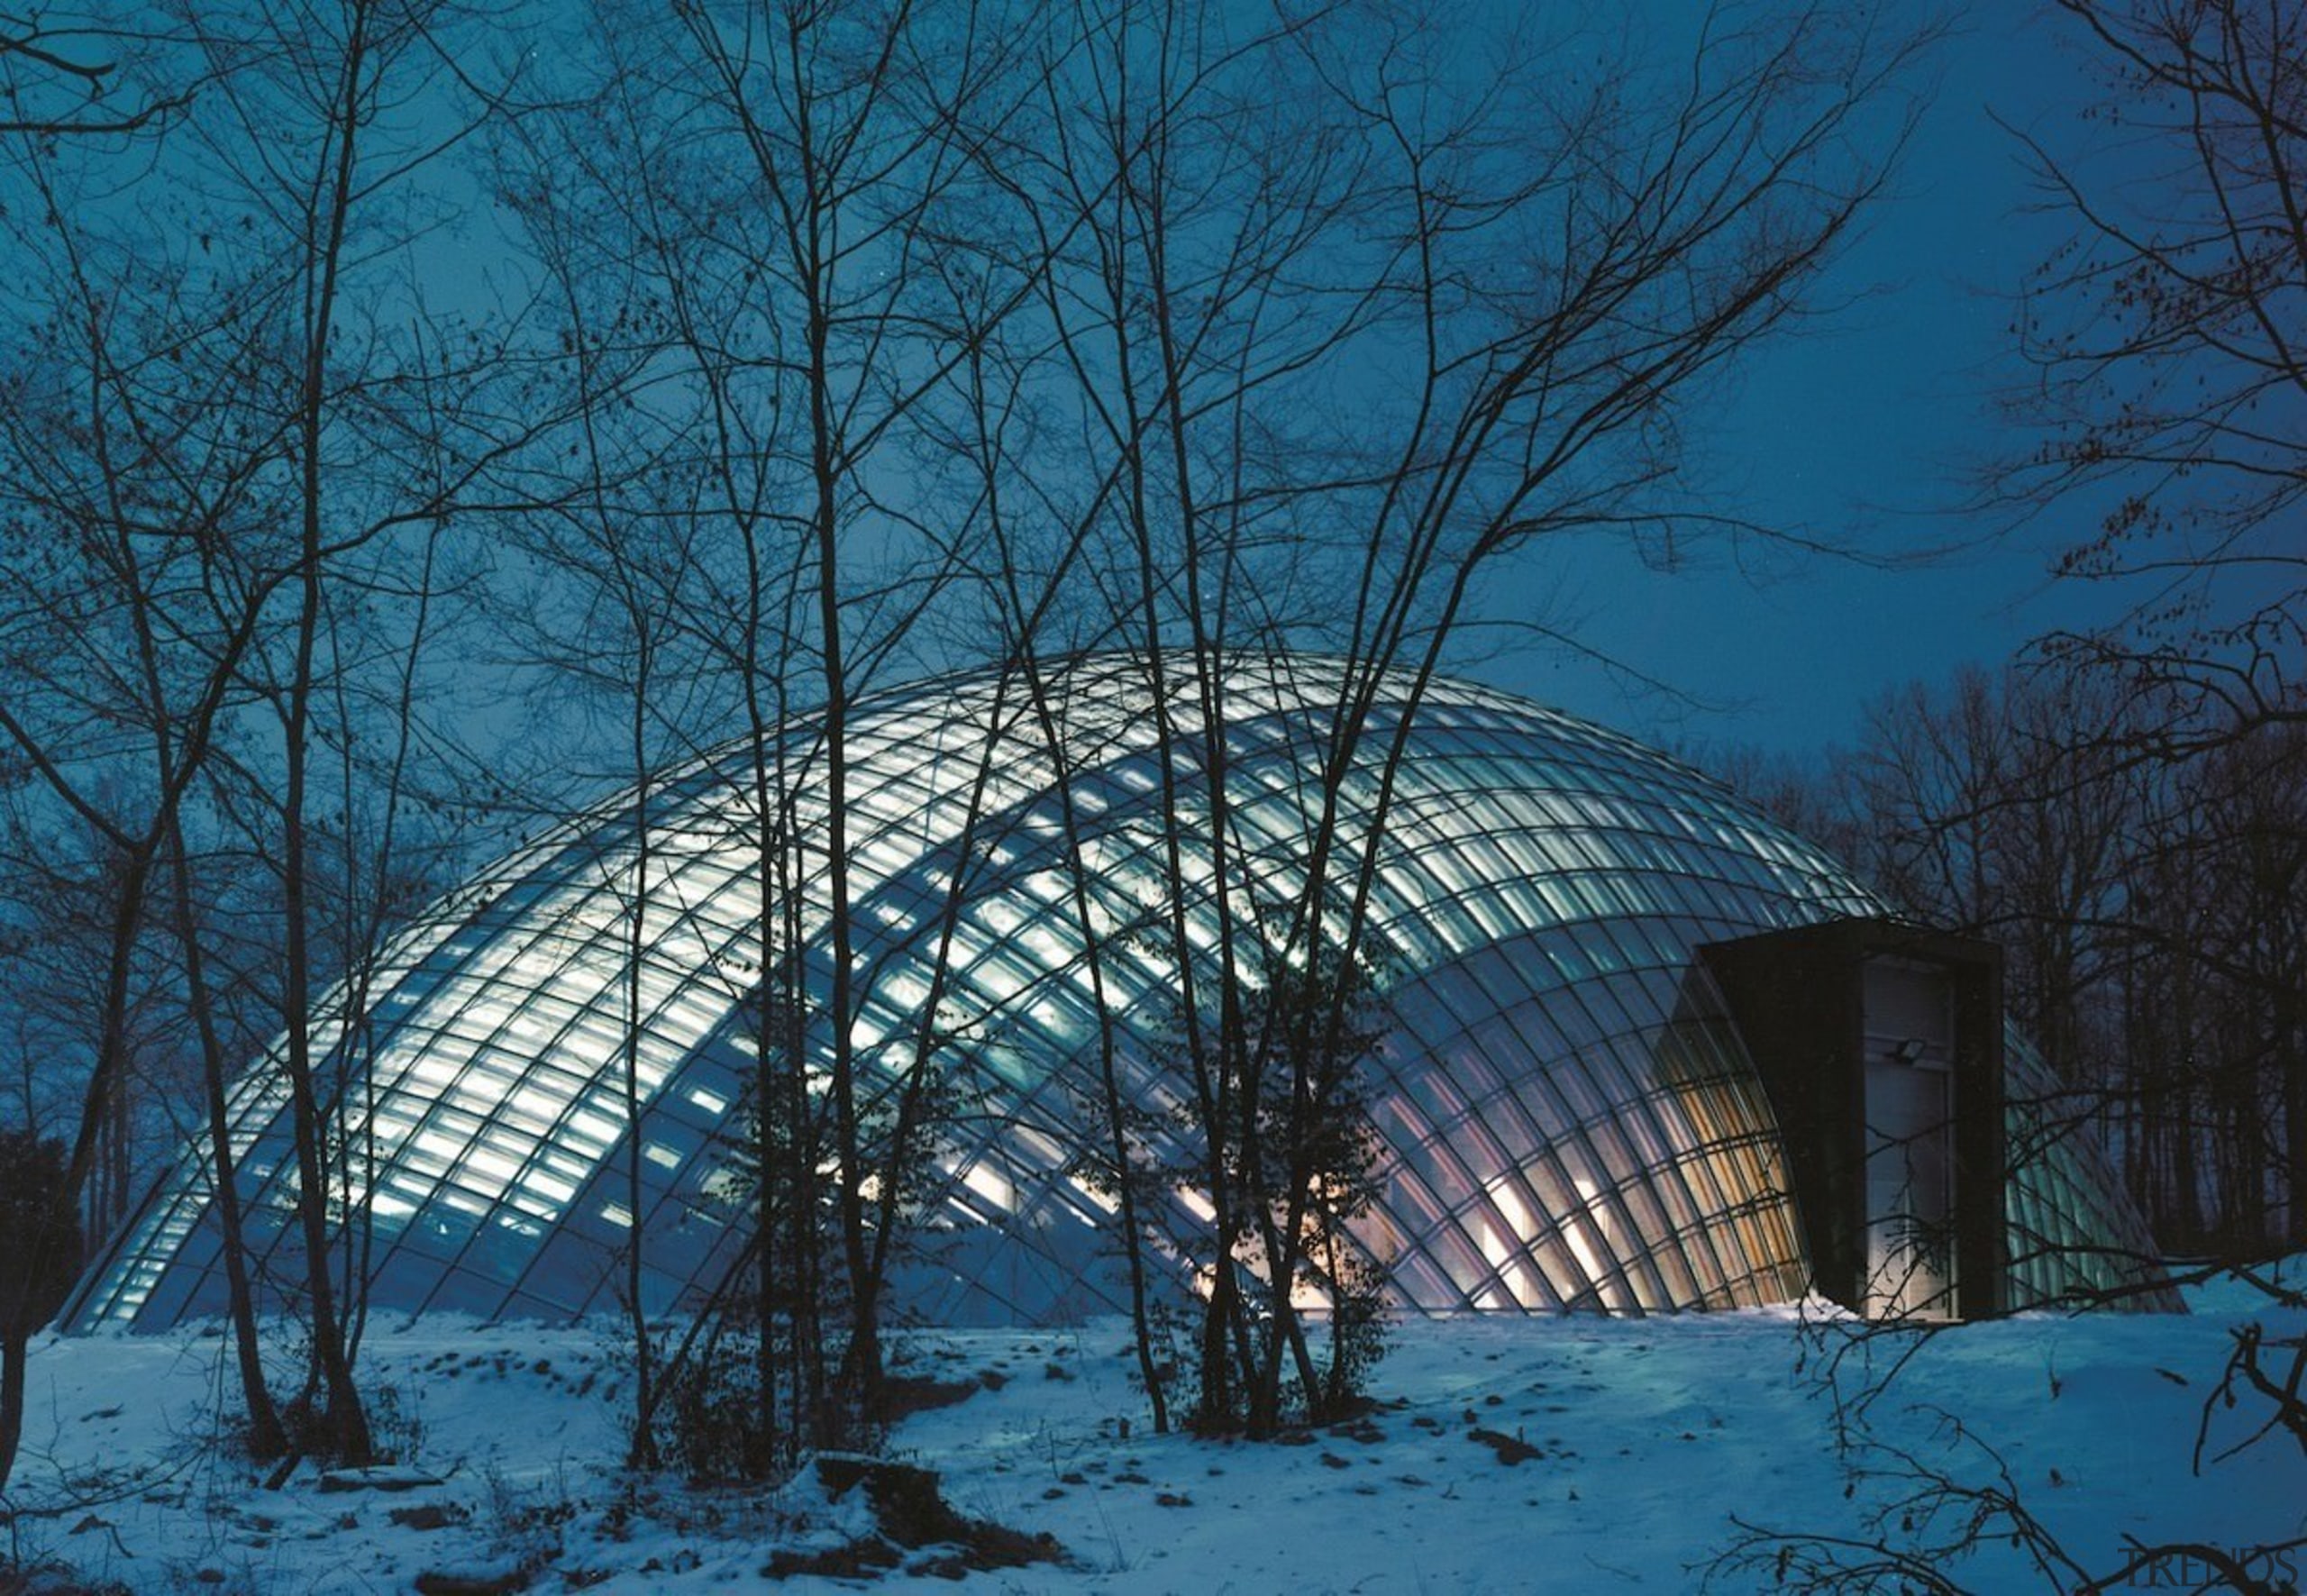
x,y
1650,1436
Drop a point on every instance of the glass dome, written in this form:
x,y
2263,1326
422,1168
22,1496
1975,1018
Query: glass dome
x,y
1568,1117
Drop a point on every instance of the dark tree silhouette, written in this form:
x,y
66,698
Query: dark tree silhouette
x,y
40,1253
55,81
2169,374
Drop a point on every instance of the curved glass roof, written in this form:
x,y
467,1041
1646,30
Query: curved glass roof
x,y
1568,1117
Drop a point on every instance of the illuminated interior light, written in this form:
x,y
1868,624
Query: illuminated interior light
x,y
1506,1243
1093,1197
993,1186
547,1187
1195,1203
1522,846
496,1169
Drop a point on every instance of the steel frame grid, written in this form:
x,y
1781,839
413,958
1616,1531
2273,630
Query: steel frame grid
x,y
1607,1146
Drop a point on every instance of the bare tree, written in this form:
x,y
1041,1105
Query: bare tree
x,y
2215,989
1981,814
847,124
2167,381
139,570
256,458
608,611
1343,322
2152,947
55,76
780,196
41,1260
1234,331
2151,909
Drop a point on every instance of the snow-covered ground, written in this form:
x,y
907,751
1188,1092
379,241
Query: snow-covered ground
x,y
1650,1437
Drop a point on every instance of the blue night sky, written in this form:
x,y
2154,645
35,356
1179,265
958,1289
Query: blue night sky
x,y
1865,428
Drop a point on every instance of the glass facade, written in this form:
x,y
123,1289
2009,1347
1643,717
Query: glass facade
x,y
1569,1119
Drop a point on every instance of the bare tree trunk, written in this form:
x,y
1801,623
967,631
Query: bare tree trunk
x,y
1114,1104
643,1452
341,1430
267,1438
15,1346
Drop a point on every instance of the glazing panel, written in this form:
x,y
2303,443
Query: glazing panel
x,y
1526,850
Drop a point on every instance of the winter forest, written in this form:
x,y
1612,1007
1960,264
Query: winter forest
x,y
423,425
